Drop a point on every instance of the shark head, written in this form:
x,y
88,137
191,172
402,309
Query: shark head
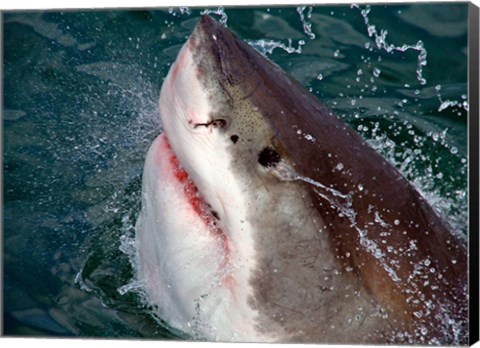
x,y
211,124
266,218
221,140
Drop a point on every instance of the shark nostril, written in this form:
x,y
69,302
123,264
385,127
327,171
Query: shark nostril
x,y
269,157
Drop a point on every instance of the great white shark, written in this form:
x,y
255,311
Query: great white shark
x,y
265,218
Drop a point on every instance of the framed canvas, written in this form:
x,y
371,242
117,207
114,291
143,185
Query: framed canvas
x,y
263,174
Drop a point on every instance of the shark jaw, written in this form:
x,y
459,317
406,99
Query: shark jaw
x,y
249,231
189,266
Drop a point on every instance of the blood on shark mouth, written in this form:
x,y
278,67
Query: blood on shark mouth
x,y
198,204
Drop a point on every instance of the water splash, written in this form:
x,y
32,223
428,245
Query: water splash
x,y
425,180
179,11
307,27
79,280
381,43
445,104
135,286
306,136
268,46
220,11
344,204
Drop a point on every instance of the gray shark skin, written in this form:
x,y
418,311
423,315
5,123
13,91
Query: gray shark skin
x,y
342,248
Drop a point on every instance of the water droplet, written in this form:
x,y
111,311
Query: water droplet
x,y
453,150
319,77
376,72
396,222
336,53
339,166
360,187
418,314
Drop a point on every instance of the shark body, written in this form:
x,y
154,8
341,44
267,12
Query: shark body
x,y
265,218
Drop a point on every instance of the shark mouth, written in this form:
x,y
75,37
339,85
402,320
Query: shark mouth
x,y
191,263
194,199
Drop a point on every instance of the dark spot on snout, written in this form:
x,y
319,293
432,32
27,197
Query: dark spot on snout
x,y
268,157
234,138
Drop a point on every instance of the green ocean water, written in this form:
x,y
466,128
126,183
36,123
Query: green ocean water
x,y
80,111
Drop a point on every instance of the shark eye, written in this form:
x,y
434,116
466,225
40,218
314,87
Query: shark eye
x,y
269,157
218,123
